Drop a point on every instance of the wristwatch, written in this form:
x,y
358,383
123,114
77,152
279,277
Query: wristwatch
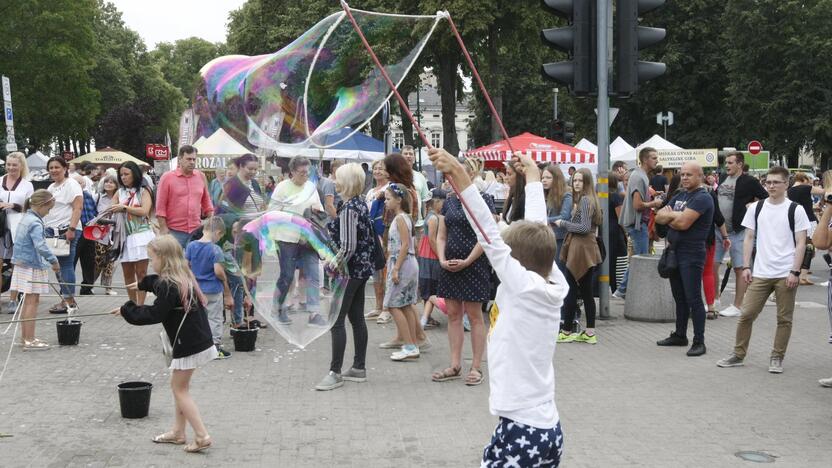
x,y
793,272
746,268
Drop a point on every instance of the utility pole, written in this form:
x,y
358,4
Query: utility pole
x,y
555,116
603,152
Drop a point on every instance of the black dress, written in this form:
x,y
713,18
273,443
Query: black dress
x,y
473,283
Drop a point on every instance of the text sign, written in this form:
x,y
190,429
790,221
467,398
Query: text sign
x,y
157,152
754,147
7,89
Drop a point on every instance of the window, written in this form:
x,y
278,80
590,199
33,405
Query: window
x,y
436,139
398,139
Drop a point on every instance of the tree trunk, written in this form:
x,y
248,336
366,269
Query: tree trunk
x,y
448,64
75,146
377,127
495,87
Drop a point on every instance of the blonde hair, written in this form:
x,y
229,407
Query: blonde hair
x,y
40,197
349,179
21,158
588,191
213,224
533,245
174,271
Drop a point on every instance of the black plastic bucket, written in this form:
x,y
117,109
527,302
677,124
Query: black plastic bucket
x,y
69,332
134,398
244,339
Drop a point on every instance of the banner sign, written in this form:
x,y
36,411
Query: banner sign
x,y
157,152
186,128
213,163
674,158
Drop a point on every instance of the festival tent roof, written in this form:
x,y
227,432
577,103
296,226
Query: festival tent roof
x,y
220,144
619,149
37,160
587,145
540,149
109,156
655,141
357,147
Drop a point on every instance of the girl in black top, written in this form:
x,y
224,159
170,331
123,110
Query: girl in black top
x,y
801,193
178,301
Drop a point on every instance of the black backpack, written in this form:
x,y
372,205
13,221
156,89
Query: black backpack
x,y
792,208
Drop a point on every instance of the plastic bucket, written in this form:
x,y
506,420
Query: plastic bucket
x,y
68,332
244,339
134,398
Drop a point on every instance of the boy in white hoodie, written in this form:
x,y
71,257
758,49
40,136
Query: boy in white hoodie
x,y
521,345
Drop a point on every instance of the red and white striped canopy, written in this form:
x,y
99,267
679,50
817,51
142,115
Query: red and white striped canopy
x,y
540,149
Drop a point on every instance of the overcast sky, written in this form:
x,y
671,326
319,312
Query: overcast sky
x,y
168,20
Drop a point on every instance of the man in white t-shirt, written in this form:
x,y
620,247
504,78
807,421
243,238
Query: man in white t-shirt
x,y
296,195
780,244
419,183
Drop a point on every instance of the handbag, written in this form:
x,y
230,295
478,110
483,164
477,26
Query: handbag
x,y
167,347
668,263
378,254
58,246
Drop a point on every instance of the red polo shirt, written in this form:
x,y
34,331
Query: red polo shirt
x,y
183,200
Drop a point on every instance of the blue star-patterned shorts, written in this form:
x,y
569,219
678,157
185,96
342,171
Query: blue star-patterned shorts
x,y
515,445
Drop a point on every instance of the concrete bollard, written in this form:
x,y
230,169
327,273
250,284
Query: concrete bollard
x,y
648,295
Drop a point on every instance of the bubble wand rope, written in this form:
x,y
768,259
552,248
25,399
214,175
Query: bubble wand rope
x,y
60,317
479,82
406,109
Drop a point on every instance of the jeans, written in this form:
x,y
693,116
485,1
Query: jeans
x,y
753,302
68,268
292,257
641,243
182,237
352,307
686,286
582,286
235,284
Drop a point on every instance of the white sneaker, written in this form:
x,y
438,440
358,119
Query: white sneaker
x,y
372,315
825,382
405,354
384,317
731,311
618,294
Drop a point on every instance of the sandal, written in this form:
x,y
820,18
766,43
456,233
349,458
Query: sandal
x,y
474,377
169,438
712,315
198,445
59,308
431,323
451,373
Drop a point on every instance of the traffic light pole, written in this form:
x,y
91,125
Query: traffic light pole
x,y
603,154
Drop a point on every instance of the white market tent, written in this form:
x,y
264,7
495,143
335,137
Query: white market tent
x,y
619,150
587,145
219,145
655,142
36,161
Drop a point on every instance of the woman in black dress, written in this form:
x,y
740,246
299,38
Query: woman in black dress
x,y
464,284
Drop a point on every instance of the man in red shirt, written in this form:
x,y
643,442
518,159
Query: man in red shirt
x,y
182,198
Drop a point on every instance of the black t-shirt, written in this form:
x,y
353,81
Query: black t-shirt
x,y
617,240
802,195
696,235
658,182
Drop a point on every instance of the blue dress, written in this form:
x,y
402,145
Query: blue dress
x,y
473,283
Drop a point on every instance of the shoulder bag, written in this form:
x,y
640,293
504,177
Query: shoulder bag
x,y
167,347
668,263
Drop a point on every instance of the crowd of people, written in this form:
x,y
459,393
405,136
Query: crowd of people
x,y
418,243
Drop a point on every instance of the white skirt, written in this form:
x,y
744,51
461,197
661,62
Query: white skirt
x,y
135,248
194,360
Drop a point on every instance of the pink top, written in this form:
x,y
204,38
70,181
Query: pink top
x,y
183,200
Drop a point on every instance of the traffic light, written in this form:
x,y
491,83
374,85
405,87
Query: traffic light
x,y
568,132
556,131
630,39
578,40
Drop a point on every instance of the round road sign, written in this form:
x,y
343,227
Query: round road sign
x,y
754,147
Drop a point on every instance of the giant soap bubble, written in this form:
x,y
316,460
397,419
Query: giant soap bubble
x,y
289,261
322,82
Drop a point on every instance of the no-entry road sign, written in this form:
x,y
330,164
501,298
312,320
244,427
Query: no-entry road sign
x,y
754,147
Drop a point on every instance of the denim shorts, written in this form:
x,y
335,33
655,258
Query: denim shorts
x,y
735,251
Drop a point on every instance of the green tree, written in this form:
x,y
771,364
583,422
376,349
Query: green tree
x,y
48,50
181,61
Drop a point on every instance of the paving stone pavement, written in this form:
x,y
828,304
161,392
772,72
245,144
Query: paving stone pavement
x,y
623,402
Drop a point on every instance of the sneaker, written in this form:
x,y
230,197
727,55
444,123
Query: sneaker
x,y
673,340
697,349
110,292
222,354
392,344
355,375
372,315
466,324
283,318
584,338
317,321
407,353
775,365
566,337
330,381
830,339
731,311
826,382
731,361
384,317
619,295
